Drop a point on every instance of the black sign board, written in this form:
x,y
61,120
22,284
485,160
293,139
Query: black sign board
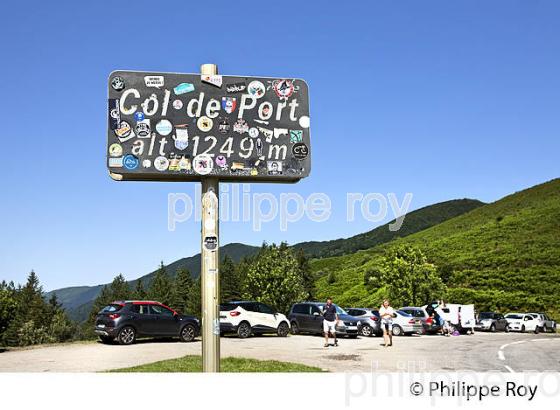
x,y
183,127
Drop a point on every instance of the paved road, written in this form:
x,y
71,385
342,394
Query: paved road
x,y
479,352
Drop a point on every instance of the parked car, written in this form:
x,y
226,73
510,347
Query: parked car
x,y
248,317
522,322
307,317
369,320
428,323
125,321
546,324
491,322
406,324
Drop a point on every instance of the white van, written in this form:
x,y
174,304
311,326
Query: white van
x,y
460,316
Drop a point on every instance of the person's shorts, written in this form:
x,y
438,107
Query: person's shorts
x,y
388,325
329,326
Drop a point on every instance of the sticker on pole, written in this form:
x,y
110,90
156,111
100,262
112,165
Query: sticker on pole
x,y
186,127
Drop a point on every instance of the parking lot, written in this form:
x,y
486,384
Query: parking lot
x,y
512,352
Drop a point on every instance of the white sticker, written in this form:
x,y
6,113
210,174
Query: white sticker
x,y
215,80
203,164
154,81
164,127
304,122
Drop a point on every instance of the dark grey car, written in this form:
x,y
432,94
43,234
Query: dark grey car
x,y
491,322
124,321
307,317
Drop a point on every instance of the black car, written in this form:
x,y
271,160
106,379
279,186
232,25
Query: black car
x,y
307,317
124,321
491,322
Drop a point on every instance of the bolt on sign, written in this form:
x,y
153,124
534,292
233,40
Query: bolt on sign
x,y
184,127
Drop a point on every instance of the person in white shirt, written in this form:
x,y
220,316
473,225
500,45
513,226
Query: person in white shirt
x,y
387,313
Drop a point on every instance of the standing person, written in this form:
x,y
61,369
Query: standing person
x,y
387,313
330,320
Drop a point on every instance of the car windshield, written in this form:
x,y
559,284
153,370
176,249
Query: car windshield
x,y
486,315
513,316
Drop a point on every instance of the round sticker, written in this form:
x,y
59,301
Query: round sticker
x,y
221,161
300,150
304,121
124,130
253,132
117,83
177,104
205,124
164,127
283,88
146,163
161,163
139,116
256,89
203,164
115,150
130,162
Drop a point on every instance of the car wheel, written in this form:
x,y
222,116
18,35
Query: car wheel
x,y
367,330
493,328
294,328
507,329
283,329
397,330
536,330
545,329
244,330
127,335
188,333
106,339
523,329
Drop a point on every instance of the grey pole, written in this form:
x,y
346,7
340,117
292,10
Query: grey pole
x,y
210,279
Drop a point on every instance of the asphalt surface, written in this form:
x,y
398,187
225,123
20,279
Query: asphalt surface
x,y
513,352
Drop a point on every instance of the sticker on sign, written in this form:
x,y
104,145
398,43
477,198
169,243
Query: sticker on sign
x,y
251,129
154,81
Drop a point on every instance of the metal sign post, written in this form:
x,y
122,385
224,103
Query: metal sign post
x,y
210,279
207,128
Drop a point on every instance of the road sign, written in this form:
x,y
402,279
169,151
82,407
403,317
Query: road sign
x,y
209,128
185,127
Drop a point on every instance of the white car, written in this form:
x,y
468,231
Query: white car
x,y
522,322
546,324
247,317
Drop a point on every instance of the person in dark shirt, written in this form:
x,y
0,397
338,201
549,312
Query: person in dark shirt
x,y
330,320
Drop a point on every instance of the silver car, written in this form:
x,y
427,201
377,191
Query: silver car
x,y
406,324
370,320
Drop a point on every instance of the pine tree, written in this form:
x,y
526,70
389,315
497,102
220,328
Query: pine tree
x,y
119,288
139,291
231,285
307,276
182,291
161,286
194,305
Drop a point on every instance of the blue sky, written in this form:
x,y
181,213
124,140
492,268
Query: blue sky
x,y
440,99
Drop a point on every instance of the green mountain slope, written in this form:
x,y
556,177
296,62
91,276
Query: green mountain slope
x,y
414,221
504,255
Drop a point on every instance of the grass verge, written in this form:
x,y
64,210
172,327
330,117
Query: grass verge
x,y
193,364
